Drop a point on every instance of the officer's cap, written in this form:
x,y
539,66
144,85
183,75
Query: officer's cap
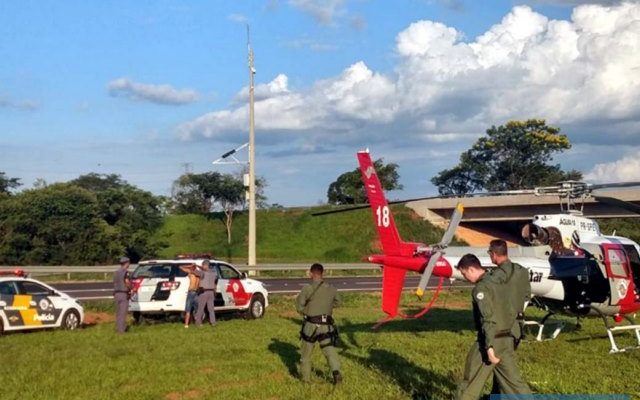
x,y
124,260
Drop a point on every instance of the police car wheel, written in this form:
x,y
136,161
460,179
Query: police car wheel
x,y
256,308
71,320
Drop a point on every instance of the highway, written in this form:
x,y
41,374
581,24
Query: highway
x,y
103,290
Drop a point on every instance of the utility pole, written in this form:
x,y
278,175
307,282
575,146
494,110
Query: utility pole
x,y
252,164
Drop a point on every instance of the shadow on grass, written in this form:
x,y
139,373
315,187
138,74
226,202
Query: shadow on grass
x,y
288,355
418,382
437,319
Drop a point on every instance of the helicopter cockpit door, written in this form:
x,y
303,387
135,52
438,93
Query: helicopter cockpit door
x,y
618,272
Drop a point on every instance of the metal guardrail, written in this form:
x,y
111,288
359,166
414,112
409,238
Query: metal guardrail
x,y
107,269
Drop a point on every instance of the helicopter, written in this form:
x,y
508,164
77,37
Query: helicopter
x,y
573,269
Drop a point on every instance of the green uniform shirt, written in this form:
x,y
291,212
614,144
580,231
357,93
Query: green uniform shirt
x,y
516,278
492,312
317,298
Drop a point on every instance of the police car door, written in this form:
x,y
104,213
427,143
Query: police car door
x,y
222,298
9,314
40,311
230,284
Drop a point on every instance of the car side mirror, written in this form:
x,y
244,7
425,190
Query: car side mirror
x,y
243,275
53,293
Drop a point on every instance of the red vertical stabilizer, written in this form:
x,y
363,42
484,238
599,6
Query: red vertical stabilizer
x,y
392,278
382,216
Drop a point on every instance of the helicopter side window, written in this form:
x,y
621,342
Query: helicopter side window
x,y
634,262
617,263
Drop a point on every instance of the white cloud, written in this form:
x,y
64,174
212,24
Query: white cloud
x,y
323,11
624,170
26,105
582,75
159,94
238,18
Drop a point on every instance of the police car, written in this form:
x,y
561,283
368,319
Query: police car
x,y
29,304
160,287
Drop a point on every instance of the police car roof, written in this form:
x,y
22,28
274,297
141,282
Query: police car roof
x,y
185,261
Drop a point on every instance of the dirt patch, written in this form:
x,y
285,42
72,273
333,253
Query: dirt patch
x,y
94,318
189,394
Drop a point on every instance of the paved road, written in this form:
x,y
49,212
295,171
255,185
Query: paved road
x,y
103,290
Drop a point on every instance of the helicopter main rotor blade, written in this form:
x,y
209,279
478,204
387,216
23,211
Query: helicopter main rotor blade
x,y
612,201
453,225
426,275
361,206
613,185
339,210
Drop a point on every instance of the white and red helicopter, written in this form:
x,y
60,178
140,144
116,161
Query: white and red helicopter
x,y
573,268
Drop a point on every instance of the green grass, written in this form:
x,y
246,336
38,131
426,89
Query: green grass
x,y
289,235
241,359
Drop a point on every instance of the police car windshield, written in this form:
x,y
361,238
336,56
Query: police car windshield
x,y
158,271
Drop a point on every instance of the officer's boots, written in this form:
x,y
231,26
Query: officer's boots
x,y
337,377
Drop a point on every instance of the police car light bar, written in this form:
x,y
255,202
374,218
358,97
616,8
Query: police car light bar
x,y
16,272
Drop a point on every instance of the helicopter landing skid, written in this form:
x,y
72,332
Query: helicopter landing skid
x,y
610,330
614,347
558,325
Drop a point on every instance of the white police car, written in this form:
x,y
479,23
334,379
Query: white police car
x,y
29,304
160,287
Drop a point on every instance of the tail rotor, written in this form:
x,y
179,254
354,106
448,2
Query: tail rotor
x,y
437,250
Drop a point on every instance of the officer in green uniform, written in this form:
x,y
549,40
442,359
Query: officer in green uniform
x,y
516,277
316,302
494,348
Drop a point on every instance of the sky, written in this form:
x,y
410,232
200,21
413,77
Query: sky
x,y
150,90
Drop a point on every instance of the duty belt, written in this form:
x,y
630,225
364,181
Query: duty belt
x,y
504,333
323,319
120,291
520,316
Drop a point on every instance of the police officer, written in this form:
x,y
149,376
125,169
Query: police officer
x,y
316,302
516,278
121,287
494,348
207,292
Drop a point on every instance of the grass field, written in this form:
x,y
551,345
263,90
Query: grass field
x,y
288,235
240,359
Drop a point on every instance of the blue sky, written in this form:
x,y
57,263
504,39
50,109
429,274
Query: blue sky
x,y
147,89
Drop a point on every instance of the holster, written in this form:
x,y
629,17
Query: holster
x,y
319,337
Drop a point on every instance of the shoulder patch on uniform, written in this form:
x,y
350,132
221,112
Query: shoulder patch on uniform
x,y
479,295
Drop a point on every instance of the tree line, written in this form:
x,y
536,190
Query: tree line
x,y
516,155
97,218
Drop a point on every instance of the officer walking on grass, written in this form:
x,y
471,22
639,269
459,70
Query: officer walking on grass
x,y
518,288
206,292
494,349
316,302
121,287
515,276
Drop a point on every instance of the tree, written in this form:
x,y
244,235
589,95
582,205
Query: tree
x,y
349,189
230,194
511,156
211,191
6,184
134,213
59,224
